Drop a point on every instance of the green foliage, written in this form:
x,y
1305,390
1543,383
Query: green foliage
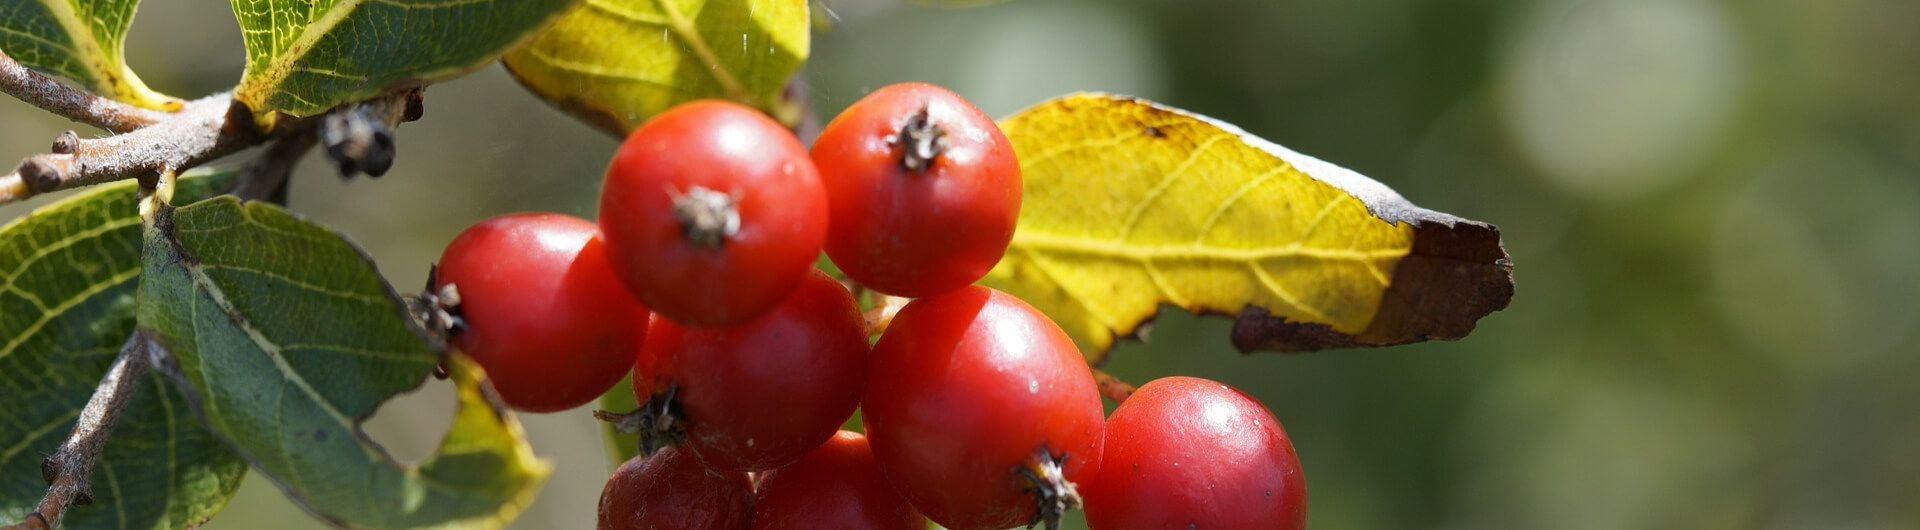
x,y
66,308
79,39
615,63
304,57
291,339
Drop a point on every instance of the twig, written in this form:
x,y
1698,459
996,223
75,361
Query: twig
x,y
267,174
205,129
69,470
1112,387
75,104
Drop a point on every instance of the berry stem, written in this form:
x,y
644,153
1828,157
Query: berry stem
x,y
657,421
1113,388
884,308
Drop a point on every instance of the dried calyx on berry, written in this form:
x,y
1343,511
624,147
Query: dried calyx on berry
x,y
1053,494
920,140
707,217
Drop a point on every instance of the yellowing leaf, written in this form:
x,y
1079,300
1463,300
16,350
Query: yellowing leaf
x,y
615,63
80,40
306,56
1130,205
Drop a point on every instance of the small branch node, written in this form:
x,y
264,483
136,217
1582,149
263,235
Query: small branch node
x,y
66,143
41,175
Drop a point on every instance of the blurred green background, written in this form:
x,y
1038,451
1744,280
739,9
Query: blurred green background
x,y
1712,207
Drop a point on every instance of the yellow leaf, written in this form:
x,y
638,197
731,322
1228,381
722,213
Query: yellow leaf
x,y
615,63
1130,205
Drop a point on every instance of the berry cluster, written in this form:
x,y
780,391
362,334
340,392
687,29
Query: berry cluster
x,y
979,412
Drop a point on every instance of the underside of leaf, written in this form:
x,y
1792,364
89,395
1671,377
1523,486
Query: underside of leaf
x,y
288,339
615,63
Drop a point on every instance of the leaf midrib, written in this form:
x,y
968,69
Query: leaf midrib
x,y
1027,237
206,284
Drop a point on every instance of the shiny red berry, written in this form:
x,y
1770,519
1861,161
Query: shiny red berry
x,y
837,485
1184,452
981,411
924,190
760,395
540,309
712,213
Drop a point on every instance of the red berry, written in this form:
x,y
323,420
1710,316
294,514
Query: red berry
x,y
759,395
712,213
838,485
1191,453
670,491
542,310
971,396
924,190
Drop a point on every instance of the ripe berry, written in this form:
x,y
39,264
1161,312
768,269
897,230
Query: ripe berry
x,y
977,404
838,485
924,190
670,491
1191,453
542,311
712,213
759,395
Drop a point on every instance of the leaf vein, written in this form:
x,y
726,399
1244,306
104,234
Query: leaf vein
x,y
1102,248
35,434
1159,190
327,291
41,252
48,316
599,71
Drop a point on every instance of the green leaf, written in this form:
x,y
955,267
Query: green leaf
x,y
615,63
68,272
290,339
306,56
80,40
1130,205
